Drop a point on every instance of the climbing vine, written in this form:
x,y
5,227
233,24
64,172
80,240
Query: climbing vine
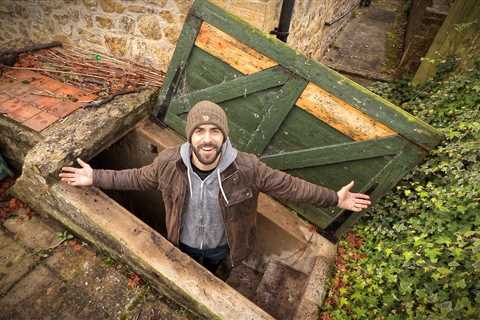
x,y
417,253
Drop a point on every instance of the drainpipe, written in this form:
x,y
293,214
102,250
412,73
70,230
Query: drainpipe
x,y
285,17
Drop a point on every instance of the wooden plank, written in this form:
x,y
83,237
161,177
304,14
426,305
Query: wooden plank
x,y
335,176
238,87
302,130
340,115
274,115
204,70
336,153
180,57
386,179
413,129
231,51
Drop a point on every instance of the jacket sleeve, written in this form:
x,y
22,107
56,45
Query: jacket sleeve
x,y
281,185
144,178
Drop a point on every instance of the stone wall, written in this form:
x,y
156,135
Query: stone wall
x,y
316,23
146,30
143,30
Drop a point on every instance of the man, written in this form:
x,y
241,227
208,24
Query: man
x,y
210,189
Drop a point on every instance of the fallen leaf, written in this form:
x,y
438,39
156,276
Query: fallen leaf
x,y
50,291
134,281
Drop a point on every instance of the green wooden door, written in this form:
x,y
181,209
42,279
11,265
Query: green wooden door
x,y
294,113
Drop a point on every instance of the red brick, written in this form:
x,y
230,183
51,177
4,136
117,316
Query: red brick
x,y
69,90
16,89
44,102
6,84
29,97
10,105
23,112
40,121
49,84
23,74
63,108
4,97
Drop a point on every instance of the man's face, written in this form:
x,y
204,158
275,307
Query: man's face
x,y
207,141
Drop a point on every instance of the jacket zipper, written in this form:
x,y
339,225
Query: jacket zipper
x,y
203,218
180,220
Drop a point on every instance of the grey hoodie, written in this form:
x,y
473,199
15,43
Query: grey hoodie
x,y
202,223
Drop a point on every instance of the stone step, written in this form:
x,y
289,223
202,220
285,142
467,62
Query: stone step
x,y
280,290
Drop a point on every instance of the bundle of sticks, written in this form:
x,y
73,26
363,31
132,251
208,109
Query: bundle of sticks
x,y
96,72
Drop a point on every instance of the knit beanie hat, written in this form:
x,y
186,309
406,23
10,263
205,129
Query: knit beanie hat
x,y
206,112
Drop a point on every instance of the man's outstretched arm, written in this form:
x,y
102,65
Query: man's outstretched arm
x,y
144,178
284,186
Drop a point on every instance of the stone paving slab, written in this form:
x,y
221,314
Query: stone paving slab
x,y
69,280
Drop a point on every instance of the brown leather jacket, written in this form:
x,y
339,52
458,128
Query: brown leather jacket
x,y
242,181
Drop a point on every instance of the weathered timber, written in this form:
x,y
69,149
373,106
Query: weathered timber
x,y
231,51
336,153
274,115
340,115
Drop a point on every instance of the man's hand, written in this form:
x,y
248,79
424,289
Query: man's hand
x,y
352,201
78,176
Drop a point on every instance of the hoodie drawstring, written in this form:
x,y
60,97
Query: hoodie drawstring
x,y
221,188
189,182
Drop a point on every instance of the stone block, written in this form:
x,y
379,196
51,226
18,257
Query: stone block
x,y
112,6
127,24
167,16
104,22
149,26
117,45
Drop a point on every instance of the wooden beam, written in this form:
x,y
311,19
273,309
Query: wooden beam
x,y
275,114
242,86
337,153
231,51
340,115
343,88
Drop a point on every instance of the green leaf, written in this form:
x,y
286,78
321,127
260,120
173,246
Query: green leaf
x,y
407,255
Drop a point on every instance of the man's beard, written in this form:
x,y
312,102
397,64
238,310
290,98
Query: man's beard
x,y
207,161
